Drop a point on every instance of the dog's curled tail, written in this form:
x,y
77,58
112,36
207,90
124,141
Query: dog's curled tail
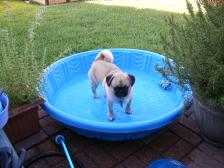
x,y
105,55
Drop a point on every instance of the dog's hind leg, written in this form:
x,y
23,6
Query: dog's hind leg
x,y
93,87
93,83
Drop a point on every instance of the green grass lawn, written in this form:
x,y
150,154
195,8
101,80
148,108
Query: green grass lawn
x,y
75,27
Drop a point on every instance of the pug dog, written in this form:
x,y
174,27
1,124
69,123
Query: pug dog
x,y
117,85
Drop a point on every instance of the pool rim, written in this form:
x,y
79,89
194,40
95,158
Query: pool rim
x,y
110,126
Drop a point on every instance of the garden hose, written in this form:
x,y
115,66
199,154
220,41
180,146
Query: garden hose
x,y
59,140
35,159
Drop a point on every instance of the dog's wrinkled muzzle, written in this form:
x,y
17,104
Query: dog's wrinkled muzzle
x,y
121,92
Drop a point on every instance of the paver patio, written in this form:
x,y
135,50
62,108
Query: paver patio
x,y
180,140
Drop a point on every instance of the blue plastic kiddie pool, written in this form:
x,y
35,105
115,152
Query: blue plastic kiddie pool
x,y
166,163
69,97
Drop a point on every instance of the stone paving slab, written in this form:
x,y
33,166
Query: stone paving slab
x,y
31,141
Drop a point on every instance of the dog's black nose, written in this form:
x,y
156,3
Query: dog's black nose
x,y
121,91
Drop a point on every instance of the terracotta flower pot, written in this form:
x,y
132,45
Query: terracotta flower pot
x,y
210,122
24,123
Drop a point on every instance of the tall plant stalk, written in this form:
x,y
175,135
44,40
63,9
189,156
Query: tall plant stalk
x,y
20,71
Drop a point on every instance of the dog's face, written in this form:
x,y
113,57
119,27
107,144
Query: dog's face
x,y
120,83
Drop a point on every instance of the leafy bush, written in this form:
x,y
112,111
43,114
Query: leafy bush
x,y
198,46
20,71
212,2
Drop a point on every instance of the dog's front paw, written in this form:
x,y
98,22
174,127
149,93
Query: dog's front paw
x,y
96,97
110,117
128,110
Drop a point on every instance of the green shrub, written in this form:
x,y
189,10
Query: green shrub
x,y
198,46
20,71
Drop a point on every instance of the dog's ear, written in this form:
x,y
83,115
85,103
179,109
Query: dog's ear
x,y
132,79
109,79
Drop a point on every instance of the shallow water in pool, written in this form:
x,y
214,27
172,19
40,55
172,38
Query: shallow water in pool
x,y
150,101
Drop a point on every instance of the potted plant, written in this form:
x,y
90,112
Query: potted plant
x,y
19,78
196,46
